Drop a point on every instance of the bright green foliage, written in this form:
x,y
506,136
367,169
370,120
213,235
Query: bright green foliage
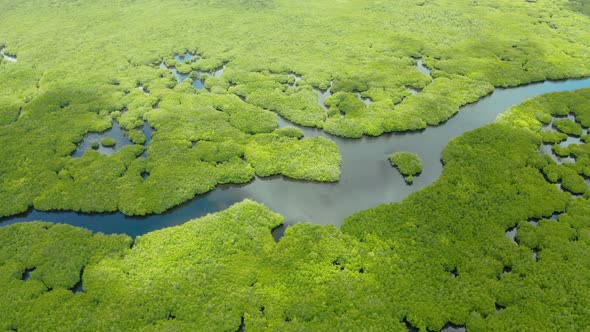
x,y
308,159
290,132
88,183
17,87
196,275
56,257
436,257
549,136
201,274
323,280
439,256
220,125
407,163
347,103
56,93
491,182
137,136
442,98
108,142
205,274
568,127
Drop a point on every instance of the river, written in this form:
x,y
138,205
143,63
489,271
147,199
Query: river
x,y
367,177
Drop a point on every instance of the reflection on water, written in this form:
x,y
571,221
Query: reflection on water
x,y
453,328
422,68
27,274
111,223
147,132
367,100
511,234
570,140
413,90
115,132
218,72
184,58
121,139
322,95
198,84
7,57
547,148
367,177
145,92
196,75
278,232
297,79
180,77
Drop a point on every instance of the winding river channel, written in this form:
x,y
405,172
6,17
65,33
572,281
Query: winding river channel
x,y
367,178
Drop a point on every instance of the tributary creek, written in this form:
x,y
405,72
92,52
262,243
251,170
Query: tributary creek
x,y
367,178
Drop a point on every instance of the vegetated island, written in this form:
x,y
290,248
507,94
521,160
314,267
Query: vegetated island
x,y
440,257
408,164
224,131
108,142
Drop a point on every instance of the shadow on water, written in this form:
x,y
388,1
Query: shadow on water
x,y
79,286
279,232
547,148
324,94
118,223
447,328
367,100
453,328
95,138
121,139
197,76
367,178
27,274
185,57
422,68
7,57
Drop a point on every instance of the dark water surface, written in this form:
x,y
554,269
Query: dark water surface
x,y
115,132
367,178
197,83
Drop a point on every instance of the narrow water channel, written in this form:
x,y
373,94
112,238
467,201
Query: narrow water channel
x,y
367,178
198,82
7,57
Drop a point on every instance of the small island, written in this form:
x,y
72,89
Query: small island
x,y
108,142
408,164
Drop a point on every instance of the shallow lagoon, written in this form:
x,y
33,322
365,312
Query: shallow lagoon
x,y
367,178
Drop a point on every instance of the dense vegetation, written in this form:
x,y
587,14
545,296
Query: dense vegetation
x,y
407,163
441,256
276,55
452,260
108,142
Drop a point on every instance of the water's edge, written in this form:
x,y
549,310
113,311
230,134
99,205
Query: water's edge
x,y
367,178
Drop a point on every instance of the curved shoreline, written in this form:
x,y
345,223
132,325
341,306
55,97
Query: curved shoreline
x,y
367,178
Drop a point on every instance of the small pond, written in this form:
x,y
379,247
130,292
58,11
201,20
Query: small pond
x,y
7,57
115,132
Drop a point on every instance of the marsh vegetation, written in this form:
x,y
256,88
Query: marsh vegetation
x,y
408,164
247,78
170,100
